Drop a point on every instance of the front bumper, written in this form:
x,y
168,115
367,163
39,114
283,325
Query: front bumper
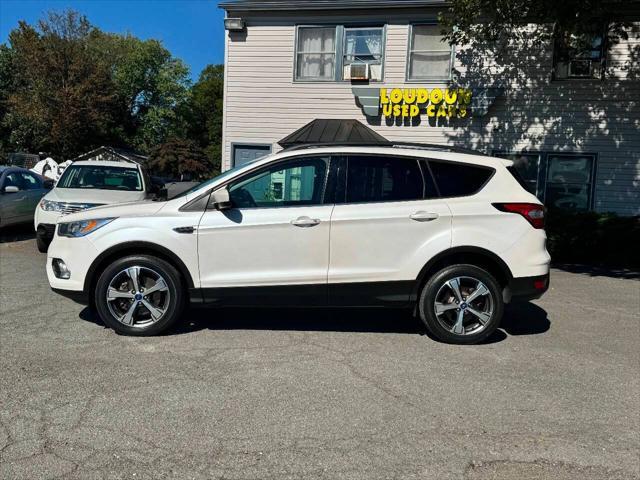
x,y
77,254
527,288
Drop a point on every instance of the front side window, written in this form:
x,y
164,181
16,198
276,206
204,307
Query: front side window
x,y
30,182
579,56
296,183
316,53
363,46
101,177
459,179
569,179
429,57
383,179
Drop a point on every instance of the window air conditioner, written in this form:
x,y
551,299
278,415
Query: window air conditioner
x,y
359,71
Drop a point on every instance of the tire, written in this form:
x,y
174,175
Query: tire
x,y
167,299
41,243
480,317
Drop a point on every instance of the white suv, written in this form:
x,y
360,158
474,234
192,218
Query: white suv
x,y
452,235
88,184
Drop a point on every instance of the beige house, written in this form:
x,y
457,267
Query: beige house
x,y
567,113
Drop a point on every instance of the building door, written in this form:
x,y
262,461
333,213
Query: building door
x,y
245,153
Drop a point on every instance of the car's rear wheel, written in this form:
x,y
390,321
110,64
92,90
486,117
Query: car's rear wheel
x,y
139,295
461,304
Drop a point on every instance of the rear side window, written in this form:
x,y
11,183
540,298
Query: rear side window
x,y
383,179
459,179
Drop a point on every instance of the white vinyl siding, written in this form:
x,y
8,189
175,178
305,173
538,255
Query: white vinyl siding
x,y
263,102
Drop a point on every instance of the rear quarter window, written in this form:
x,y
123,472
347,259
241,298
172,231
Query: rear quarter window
x,y
459,179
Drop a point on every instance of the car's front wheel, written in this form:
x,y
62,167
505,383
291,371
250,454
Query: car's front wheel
x,y
461,304
139,295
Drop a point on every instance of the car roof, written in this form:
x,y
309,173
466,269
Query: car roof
x,y
396,150
13,168
106,163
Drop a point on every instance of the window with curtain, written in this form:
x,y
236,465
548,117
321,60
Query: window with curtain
x,y
363,45
316,53
429,57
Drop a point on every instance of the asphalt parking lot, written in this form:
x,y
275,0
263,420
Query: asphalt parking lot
x,y
321,394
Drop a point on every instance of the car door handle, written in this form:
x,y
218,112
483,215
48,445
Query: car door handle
x,y
422,216
305,222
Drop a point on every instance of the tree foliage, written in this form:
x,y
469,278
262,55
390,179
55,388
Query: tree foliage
x,y
67,87
179,159
500,22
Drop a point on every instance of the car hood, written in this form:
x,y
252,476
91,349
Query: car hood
x,y
131,209
93,195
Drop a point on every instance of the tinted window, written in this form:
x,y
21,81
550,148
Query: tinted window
x,y
383,179
299,182
458,179
101,177
30,182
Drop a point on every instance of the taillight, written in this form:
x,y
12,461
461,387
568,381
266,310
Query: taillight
x,y
532,212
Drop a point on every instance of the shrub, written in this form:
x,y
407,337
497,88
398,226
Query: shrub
x,y
593,238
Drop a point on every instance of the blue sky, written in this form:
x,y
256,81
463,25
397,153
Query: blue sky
x,y
192,30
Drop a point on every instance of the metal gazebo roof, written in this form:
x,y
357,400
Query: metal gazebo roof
x,y
334,131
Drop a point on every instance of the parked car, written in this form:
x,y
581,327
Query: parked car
x,y
20,192
88,184
451,235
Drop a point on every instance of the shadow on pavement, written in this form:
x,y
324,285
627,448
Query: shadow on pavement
x,y
16,233
519,319
594,271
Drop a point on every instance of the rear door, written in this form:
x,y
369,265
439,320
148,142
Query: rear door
x,y
387,223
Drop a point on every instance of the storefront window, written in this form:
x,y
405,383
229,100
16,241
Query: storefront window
x,y
560,180
429,57
363,45
569,181
316,53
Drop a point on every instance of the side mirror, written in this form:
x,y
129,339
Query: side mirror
x,y
48,184
11,189
220,199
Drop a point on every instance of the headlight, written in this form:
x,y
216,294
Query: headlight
x,y
49,206
82,228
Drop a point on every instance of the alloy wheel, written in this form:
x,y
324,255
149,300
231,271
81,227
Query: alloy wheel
x,y
138,296
464,305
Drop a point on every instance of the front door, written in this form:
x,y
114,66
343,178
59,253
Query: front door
x,y
272,247
387,225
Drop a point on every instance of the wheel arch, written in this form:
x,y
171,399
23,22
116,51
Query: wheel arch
x,y
469,255
135,248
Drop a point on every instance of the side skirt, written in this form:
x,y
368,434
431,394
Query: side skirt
x,y
367,294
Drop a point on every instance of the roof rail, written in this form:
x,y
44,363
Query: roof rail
x,y
417,146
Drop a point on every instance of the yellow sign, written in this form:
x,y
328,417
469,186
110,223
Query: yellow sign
x,y
438,102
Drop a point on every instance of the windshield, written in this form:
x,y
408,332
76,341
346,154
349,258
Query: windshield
x,y
101,177
222,176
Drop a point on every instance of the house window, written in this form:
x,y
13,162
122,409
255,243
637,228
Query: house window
x,y
579,56
429,57
363,46
560,180
316,53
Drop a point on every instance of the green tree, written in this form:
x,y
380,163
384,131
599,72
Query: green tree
x,y
60,99
151,86
179,158
203,112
